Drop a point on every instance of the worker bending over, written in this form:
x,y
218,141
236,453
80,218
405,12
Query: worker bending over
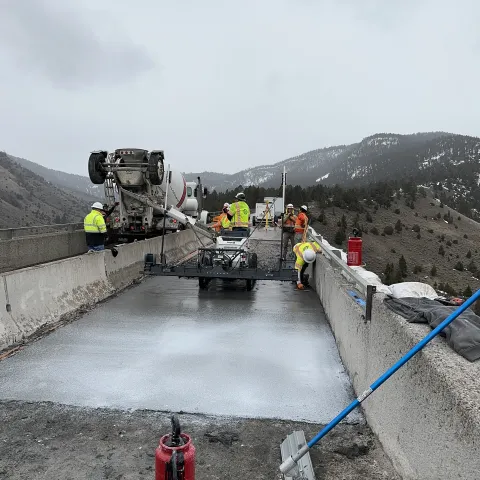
x,y
301,224
95,228
239,214
306,253
288,230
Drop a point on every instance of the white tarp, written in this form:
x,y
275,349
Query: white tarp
x,y
413,289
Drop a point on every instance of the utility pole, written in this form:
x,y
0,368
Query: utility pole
x,y
199,196
167,186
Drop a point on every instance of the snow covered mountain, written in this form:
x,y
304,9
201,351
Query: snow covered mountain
x,y
376,158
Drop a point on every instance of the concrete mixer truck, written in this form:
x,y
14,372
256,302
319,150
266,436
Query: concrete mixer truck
x,y
136,180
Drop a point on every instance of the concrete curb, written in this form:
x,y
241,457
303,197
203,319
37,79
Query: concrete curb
x,y
427,416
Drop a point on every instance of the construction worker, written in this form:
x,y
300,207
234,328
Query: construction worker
x,y
288,230
239,214
95,228
306,253
301,224
223,223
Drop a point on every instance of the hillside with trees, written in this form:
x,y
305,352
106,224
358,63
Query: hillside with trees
x,y
408,232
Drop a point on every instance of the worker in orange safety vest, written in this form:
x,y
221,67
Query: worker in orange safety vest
x,y
288,230
223,223
301,224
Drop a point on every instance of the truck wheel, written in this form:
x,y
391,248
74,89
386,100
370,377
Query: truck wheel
x,y
203,283
95,171
155,168
253,260
250,285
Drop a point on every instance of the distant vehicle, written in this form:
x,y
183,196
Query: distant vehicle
x,y
263,212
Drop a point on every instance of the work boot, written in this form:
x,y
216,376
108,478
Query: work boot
x,y
300,286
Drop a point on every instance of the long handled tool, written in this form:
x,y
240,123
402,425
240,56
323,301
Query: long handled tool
x,y
291,462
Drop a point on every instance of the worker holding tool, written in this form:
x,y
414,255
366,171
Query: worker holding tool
x,y
108,211
288,230
306,253
239,214
223,223
301,224
95,228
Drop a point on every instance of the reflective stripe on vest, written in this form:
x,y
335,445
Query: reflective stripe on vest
x,y
90,225
241,215
300,223
299,248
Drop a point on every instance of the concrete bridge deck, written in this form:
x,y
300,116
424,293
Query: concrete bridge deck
x,y
166,345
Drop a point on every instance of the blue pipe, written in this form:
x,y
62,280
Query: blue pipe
x,y
290,463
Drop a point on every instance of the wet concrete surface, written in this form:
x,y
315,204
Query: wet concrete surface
x,y
166,345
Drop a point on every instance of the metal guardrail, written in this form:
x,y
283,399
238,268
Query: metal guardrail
x,y
11,233
334,257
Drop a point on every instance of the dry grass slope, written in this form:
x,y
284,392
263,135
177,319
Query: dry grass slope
x,y
26,199
460,241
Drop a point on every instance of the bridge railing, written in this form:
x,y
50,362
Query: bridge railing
x,y
11,233
334,256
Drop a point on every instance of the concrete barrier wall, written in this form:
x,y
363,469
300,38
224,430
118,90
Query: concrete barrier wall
x,y
427,416
38,297
125,268
23,252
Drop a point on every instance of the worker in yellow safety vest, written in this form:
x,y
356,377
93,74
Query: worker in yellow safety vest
x,y
305,253
239,214
95,228
223,223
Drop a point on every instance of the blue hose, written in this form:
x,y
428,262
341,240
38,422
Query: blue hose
x,y
290,463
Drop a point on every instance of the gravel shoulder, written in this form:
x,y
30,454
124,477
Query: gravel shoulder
x,y
57,442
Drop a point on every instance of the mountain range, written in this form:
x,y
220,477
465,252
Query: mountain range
x,y
28,199
432,158
426,156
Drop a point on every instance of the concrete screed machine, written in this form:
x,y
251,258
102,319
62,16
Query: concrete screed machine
x,y
136,179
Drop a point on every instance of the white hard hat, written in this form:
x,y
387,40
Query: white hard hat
x,y
304,207
226,205
240,196
289,205
97,205
309,255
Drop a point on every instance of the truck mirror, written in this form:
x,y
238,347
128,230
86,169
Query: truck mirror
x,y
205,192
195,192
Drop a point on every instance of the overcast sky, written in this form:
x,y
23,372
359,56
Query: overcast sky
x,y
223,85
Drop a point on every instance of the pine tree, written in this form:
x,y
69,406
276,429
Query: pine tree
x,y
441,251
467,292
433,271
402,266
340,236
398,226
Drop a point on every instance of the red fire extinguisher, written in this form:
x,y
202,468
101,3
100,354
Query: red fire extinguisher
x,y
354,250
175,455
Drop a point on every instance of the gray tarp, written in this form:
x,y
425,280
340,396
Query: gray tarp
x,y
463,334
